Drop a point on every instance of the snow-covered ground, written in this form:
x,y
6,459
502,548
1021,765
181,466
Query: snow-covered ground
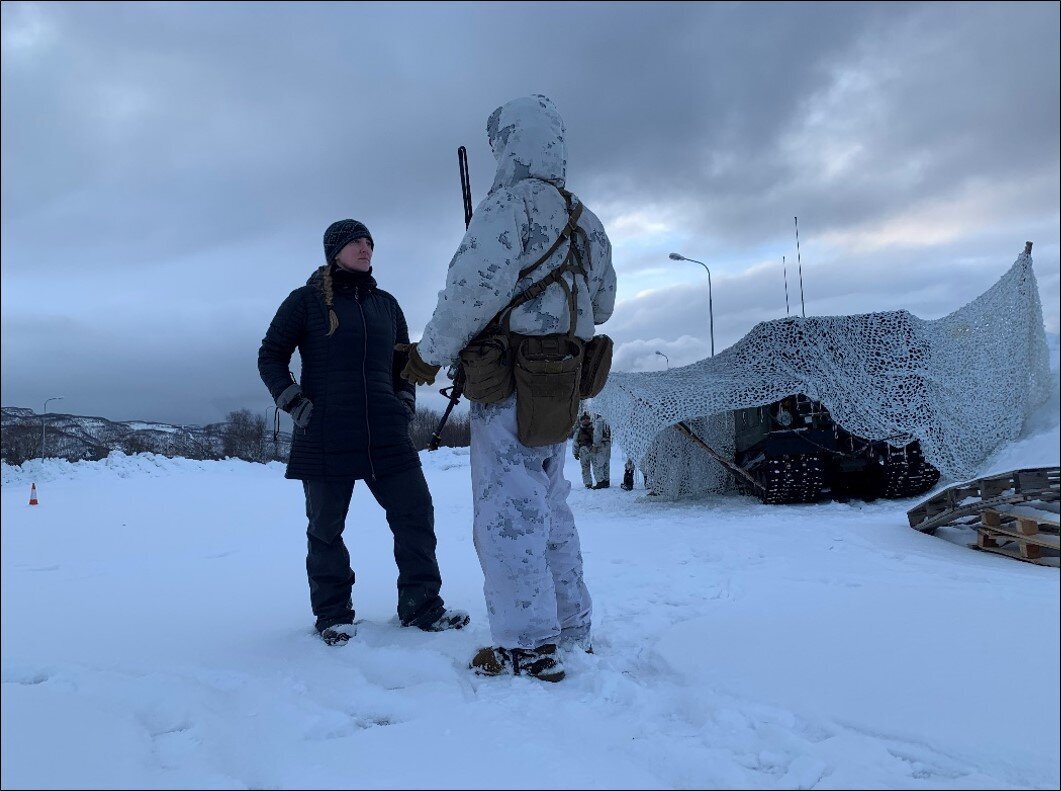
x,y
156,633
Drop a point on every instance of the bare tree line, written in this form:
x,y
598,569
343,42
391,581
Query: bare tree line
x,y
244,435
456,434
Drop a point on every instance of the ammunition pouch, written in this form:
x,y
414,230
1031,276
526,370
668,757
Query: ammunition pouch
x,y
596,365
487,367
547,372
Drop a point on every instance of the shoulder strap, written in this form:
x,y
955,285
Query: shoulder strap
x,y
568,231
571,263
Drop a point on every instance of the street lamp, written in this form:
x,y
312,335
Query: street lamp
x,y
710,306
665,357
53,398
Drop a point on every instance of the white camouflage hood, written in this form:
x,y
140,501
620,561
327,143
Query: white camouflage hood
x,y
527,138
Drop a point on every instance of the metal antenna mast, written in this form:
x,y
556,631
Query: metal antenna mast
x,y
784,268
802,304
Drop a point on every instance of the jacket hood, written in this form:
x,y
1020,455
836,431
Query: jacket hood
x,y
528,139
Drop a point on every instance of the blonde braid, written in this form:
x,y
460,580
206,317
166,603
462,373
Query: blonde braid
x,y
329,298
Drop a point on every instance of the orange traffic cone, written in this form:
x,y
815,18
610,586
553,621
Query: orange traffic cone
x,y
33,494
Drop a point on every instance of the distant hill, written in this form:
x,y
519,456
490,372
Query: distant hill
x,y
76,437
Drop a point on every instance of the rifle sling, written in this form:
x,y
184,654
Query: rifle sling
x,y
571,263
569,229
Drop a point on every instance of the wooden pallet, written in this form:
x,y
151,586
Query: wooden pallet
x,y
1041,484
1023,523
1033,534
1050,561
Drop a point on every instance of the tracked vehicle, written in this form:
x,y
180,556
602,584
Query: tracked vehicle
x,y
798,454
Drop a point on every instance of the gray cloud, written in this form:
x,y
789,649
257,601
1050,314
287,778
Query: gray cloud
x,y
169,168
928,282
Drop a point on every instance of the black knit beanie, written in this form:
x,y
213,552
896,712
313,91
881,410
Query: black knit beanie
x,y
340,234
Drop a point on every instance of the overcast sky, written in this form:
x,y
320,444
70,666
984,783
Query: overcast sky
x,y
169,169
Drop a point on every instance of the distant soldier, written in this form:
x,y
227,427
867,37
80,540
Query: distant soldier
x,y
628,476
581,445
602,453
589,448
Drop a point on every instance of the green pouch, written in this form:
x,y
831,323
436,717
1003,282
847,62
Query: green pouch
x,y
547,372
487,368
596,365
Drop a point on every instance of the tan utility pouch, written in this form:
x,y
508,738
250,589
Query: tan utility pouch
x,y
596,365
547,373
487,368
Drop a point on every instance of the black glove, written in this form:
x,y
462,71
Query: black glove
x,y
295,404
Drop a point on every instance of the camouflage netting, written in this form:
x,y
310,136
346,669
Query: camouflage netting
x,y
961,385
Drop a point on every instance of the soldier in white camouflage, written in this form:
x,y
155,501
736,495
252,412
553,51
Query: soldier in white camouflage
x,y
602,454
592,448
524,530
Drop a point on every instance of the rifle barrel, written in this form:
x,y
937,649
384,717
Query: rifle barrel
x,y
466,184
458,381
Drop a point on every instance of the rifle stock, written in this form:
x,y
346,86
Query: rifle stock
x,y
454,395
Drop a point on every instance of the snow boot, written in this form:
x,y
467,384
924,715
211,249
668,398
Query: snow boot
x,y
449,619
542,663
491,661
603,485
338,634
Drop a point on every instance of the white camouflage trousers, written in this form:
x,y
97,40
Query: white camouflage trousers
x,y
601,460
524,534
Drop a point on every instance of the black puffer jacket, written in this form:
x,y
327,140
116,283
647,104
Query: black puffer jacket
x,y
359,427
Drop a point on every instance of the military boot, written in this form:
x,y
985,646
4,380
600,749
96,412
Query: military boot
x,y
542,663
491,661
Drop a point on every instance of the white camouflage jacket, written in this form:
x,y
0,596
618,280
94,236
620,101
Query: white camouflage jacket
x,y
517,221
602,432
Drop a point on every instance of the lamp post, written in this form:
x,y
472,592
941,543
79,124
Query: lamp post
x,y
665,357
710,306
53,398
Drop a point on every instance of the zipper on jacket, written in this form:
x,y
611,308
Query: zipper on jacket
x,y
364,380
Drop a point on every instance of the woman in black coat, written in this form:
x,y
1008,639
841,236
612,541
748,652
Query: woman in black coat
x,y
351,413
